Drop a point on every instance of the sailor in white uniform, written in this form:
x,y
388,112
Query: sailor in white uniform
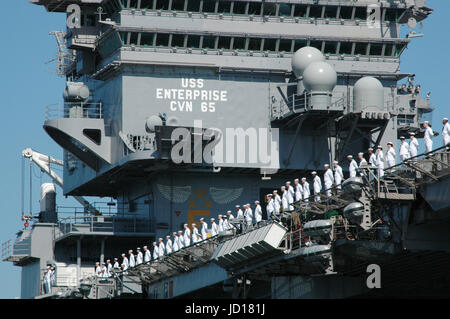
x,y
306,190
116,264
353,167
155,251
109,268
204,229
139,256
248,214
428,136
147,256
132,260
338,174
284,199
317,186
276,202
391,155
239,212
362,160
230,216
220,224
226,224
125,261
258,212
195,234
168,245
298,190
380,160
446,131
214,228
98,270
186,236
372,158
328,179
47,279
291,195
104,271
270,208
161,248
180,240
413,145
404,149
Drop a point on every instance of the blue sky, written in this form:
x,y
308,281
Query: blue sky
x,y
26,87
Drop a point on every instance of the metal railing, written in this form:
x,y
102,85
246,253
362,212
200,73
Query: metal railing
x,y
74,110
16,248
7,248
89,224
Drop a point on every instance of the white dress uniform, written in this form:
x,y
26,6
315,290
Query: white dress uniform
x,y
291,197
109,269
373,160
270,208
363,162
155,252
413,147
98,272
175,246
317,186
204,231
306,191
277,203
132,261
226,225
168,246
139,258
187,237
390,157
240,213
116,265
214,229
258,213
338,176
284,201
446,133
161,249
104,273
125,262
428,139
328,180
248,216
380,163
181,241
220,226
195,235
353,168
298,192
147,256
404,151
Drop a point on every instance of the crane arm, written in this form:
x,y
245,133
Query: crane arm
x,y
43,162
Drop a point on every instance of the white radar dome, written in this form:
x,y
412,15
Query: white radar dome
x,y
319,77
303,58
368,92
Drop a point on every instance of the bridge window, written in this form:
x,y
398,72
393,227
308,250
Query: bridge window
x,y
254,44
360,13
330,47
346,13
209,6
240,7
133,4
239,43
391,15
209,42
224,43
316,44
162,40
134,38
361,48
254,8
388,49
315,11
330,12
123,37
147,39
270,44
300,10
270,9
285,10
146,4
224,7
285,45
193,41
376,49
300,44
178,40
346,48
193,6
91,20
399,49
162,5
178,5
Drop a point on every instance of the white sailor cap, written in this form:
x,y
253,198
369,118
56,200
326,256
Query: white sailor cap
x,y
212,219
237,206
426,122
139,248
412,134
103,263
229,212
248,204
283,187
108,260
168,236
360,153
269,195
160,239
402,137
154,243
390,143
130,251
445,119
193,224
123,255
303,178
256,201
288,182
296,180
370,149
275,191
145,247
97,263
326,165
174,233
335,162
202,219
186,225
349,156
180,232
314,173
220,215
115,259
380,147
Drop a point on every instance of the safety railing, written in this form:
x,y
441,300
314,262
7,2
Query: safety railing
x,y
7,248
102,224
14,249
74,110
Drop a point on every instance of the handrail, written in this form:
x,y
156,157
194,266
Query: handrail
x,y
87,110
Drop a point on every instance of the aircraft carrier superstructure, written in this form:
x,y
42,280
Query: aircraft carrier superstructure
x,y
181,109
